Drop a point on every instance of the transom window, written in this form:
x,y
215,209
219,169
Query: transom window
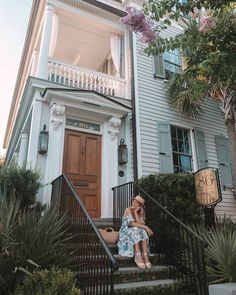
x,y
181,149
172,63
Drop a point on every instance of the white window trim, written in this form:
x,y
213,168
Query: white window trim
x,y
192,143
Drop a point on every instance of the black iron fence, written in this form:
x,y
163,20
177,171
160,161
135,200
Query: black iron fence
x,y
95,263
181,248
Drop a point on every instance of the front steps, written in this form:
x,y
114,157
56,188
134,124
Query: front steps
x,y
130,280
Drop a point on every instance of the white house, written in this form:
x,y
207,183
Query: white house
x,y
84,79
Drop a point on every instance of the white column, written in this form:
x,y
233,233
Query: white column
x,y
23,148
34,134
34,64
54,34
55,148
45,42
110,164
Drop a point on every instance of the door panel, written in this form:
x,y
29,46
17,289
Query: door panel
x,y
91,163
82,165
73,145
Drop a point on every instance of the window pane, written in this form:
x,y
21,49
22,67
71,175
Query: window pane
x,y
174,145
185,163
180,133
173,132
186,135
181,146
187,148
176,159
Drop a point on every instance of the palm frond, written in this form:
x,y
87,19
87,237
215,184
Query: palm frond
x,y
186,94
221,250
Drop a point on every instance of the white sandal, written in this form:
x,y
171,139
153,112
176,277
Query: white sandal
x,y
140,265
147,264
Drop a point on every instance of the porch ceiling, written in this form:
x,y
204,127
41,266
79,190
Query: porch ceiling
x,y
82,41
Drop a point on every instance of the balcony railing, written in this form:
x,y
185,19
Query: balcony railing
x,y
86,79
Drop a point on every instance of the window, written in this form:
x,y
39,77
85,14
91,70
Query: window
x,y
181,149
168,64
172,63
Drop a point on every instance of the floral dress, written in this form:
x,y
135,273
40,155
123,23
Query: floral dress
x,y
129,236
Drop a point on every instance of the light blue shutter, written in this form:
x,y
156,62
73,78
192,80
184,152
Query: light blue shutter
x,y
159,66
200,149
224,158
165,148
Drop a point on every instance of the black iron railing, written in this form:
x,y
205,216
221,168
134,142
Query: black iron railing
x,y
181,248
94,262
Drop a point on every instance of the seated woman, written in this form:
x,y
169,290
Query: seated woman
x,y
133,231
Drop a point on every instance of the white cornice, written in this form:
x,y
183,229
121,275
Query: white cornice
x,y
87,101
86,8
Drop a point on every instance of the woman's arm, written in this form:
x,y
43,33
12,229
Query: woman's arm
x,y
143,226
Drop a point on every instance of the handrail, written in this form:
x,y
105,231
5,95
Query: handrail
x,y
180,246
95,263
165,210
113,260
174,217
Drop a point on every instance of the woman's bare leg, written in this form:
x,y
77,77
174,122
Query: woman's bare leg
x,y
138,257
137,248
144,246
145,253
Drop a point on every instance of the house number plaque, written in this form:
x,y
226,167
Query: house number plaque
x,y
207,187
82,124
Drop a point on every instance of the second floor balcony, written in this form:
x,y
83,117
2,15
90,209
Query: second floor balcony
x,y
84,48
87,79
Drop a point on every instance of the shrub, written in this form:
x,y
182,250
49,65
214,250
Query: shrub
x,y
26,237
175,192
49,282
25,183
221,250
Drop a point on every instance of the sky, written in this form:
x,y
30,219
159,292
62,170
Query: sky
x,y
14,17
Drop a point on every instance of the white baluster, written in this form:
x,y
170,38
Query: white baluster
x,y
103,85
78,79
107,86
68,75
92,81
82,80
73,77
113,88
60,74
64,75
49,71
55,68
95,83
86,81
99,84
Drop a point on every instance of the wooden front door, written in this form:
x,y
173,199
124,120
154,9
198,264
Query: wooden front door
x,y
82,166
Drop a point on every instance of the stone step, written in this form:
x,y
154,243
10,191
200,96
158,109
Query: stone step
x,y
135,274
151,287
103,222
129,261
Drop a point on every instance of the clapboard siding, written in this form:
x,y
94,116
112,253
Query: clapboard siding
x,y
154,107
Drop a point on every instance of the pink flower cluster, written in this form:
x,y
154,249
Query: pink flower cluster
x,y
207,23
137,22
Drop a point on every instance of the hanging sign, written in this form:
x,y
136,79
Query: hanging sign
x,y
207,186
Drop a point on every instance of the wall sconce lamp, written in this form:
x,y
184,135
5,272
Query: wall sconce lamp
x,y
43,141
122,153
